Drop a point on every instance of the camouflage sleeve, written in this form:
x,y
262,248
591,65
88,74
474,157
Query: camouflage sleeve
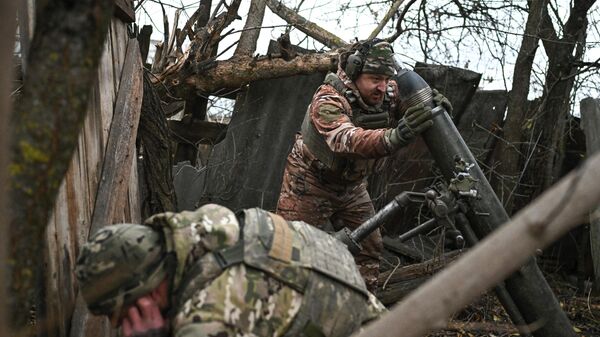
x,y
191,234
330,114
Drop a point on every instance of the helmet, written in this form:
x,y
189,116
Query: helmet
x,y
371,57
118,265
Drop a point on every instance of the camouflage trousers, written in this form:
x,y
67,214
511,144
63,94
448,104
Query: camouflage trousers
x,y
306,197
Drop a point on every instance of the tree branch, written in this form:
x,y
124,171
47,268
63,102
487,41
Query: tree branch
x,y
309,28
236,72
399,29
65,52
247,42
386,18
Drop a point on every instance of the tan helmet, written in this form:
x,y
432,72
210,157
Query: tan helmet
x,y
118,265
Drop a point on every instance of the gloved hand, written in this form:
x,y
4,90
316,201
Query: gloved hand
x,y
416,119
440,99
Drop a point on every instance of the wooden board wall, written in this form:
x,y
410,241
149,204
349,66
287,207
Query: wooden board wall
x,y
71,219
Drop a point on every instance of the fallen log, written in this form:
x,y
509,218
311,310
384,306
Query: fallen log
x,y
396,283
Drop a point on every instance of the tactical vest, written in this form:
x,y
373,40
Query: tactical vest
x,y
363,115
300,256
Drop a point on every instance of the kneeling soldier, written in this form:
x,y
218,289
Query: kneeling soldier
x,y
212,273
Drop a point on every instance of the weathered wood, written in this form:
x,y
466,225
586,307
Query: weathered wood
x,y
418,248
480,123
590,122
198,132
156,150
224,76
559,209
62,68
395,284
25,18
144,41
173,108
124,10
7,33
121,141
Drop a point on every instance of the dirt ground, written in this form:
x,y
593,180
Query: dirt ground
x,y
487,318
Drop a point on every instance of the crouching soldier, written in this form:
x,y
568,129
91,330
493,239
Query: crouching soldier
x,y
212,273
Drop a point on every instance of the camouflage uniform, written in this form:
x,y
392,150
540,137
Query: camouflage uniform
x,y
320,187
263,285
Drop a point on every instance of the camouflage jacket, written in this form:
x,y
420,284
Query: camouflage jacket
x,y
241,300
334,118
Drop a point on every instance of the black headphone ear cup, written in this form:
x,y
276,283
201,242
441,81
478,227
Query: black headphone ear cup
x,y
353,66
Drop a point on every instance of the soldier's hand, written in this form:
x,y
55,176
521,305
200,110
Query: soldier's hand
x,y
144,319
440,100
416,119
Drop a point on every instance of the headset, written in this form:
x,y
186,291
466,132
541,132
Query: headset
x,y
355,62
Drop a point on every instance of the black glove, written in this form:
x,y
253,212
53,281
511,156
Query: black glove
x,y
440,99
416,119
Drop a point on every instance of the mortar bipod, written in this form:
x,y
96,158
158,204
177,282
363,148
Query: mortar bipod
x,y
443,206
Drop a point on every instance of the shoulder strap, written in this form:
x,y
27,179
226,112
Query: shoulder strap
x,y
316,144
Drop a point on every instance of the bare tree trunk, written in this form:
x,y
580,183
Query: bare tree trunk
x,y
590,120
550,119
65,52
558,210
156,150
247,42
7,42
517,107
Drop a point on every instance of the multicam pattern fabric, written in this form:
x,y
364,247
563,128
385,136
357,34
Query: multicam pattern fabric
x,y
380,60
246,301
305,197
109,279
192,234
212,299
317,195
240,302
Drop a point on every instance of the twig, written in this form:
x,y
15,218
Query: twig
x,y
307,27
386,18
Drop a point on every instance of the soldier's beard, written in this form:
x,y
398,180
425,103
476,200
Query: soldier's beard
x,y
374,98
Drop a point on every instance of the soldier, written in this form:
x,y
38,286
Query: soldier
x,y
354,118
212,273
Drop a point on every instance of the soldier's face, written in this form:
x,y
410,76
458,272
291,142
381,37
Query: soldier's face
x,y
372,87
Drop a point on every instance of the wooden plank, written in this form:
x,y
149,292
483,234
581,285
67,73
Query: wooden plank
x,y
135,210
124,10
121,141
52,297
55,301
119,44
106,94
590,121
